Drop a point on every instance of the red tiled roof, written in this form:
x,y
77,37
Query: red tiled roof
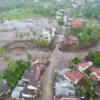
x,y
70,99
58,97
93,77
70,76
74,75
66,41
83,65
77,23
97,71
78,74
38,74
69,41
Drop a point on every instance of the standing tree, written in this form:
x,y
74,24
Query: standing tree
x,y
61,22
75,60
29,57
2,50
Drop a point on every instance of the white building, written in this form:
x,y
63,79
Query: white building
x,y
83,66
48,35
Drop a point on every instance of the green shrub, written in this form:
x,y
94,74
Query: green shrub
x,y
15,71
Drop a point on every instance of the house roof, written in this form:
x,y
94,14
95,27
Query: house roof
x,y
77,23
29,74
98,98
70,98
16,92
83,65
93,77
97,90
77,74
3,87
74,75
60,97
61,91
97,71
33,83
38,74
70,76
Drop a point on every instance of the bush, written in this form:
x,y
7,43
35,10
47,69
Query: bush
x,y
90,56
15,71
75,60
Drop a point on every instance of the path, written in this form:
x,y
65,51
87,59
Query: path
x,y
56,57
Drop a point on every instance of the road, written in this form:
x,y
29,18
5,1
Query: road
x,y
56,57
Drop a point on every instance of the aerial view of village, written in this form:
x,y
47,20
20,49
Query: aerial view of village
x,y
49,49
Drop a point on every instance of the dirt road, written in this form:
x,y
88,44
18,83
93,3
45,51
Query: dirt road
x,y
56,57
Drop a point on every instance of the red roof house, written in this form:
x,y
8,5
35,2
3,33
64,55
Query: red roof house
x,y
84,65
95,75
65,98
76,23
74,76
70,98
38,74
97,90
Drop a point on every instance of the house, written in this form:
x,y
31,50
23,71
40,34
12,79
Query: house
x,y
64,84
73,76
95,75
97,90
39,61
65,98
28,94
66,41
60,14
68,98
98,98
61,72
49,34
64,91
16,92
4,88
83,65
76,23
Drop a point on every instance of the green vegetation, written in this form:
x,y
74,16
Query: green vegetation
x,y
40,42
92,9
84,87
2,50
29,57
16,9
86,33
15,71
95,57
61,22
75,60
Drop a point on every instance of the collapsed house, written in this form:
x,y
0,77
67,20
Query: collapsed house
x,y
29,87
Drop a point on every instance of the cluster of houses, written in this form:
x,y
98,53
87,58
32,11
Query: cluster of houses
x,y
64,84
67,78
30,87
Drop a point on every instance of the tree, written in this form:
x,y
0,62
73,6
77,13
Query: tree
x,y
12,66
90,56
75,60
96,61
29,57
61,22
34,33
84,38
6,58
2,50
